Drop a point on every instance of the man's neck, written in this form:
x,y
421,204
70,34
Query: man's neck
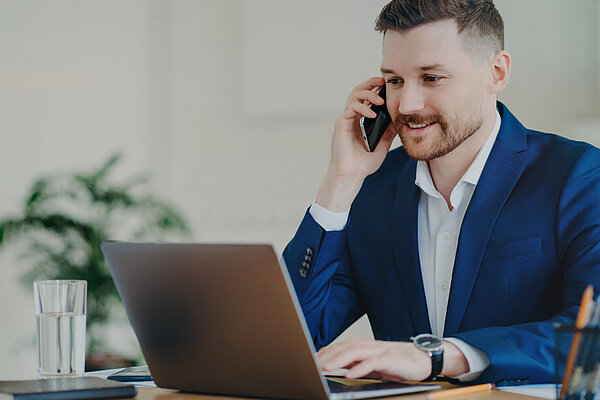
x,y
447,170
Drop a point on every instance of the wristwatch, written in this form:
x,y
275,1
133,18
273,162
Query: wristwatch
x,y
432,345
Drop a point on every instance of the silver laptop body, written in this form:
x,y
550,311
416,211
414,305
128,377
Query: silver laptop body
x,y
223,319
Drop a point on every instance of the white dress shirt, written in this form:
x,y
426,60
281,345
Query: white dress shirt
x,y
438,231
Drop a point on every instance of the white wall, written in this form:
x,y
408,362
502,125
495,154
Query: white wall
x,y
555,81
73,89
230,103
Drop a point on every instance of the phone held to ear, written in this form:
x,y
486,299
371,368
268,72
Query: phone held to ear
x,y
373,128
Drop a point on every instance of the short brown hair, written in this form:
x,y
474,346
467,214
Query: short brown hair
x,y
479,20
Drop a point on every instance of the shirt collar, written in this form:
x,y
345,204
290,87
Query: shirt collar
x,y
423,177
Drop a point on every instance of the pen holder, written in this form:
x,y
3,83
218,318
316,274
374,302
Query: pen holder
x,y
577,362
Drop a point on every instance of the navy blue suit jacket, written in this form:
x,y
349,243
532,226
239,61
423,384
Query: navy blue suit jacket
x,y
528,246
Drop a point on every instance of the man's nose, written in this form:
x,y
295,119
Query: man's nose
x,y
412,99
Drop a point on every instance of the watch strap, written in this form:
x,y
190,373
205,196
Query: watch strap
x,y
437,362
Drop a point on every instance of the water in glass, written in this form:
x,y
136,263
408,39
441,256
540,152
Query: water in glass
x,y
61,344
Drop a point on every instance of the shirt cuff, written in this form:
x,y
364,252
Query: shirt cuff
x,y
329,220
478,361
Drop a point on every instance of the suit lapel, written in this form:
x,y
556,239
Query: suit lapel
x,y
503,168
406,249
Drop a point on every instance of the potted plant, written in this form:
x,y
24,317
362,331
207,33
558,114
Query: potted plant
x,y
67,216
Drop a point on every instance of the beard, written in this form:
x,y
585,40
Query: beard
x,y
451,132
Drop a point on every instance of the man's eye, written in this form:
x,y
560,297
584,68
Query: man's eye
x,y
394,81
432,79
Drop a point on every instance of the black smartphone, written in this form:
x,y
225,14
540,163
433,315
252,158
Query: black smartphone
x,y
132,374
373,128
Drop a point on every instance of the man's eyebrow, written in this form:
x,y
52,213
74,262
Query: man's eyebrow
x,y
433,67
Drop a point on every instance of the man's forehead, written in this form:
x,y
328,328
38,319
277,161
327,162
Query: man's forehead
x,y
436,45
444,31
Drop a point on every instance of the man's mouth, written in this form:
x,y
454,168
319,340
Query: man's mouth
x,y
419,126
418,129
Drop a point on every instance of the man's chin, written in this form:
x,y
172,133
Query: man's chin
x,y
419,156
418,149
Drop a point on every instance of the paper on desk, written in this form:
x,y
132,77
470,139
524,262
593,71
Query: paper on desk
x,y
545,390
106,372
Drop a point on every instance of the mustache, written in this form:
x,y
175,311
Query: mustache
x,y
417,119
402,119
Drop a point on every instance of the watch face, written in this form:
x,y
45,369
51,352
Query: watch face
x,y
428,342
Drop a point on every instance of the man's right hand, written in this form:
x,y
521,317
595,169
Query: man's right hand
x,y
350,161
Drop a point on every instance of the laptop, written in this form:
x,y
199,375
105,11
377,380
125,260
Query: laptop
x,y
224,319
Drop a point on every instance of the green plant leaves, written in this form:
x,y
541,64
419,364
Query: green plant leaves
x,y
68,215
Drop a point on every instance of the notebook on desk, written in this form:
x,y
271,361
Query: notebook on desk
x,y
224,319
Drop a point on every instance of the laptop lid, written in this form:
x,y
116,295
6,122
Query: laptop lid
x,y
222,319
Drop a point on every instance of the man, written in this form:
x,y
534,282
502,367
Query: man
x,y
477,230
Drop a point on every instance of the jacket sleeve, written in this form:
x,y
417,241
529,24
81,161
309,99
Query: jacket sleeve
x,y
319,267
525,353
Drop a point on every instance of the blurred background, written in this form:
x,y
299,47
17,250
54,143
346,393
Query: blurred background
x,y
228,106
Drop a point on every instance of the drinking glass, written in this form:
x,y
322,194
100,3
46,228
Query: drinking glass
x,y
60,308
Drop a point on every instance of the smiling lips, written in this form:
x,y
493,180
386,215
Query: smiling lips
x,y
418,129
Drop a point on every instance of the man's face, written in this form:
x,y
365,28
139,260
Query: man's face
x,y
435,91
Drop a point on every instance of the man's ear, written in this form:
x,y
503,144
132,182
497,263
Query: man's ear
x,y
500,69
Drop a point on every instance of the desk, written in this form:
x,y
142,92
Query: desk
x,y
154,393
146,393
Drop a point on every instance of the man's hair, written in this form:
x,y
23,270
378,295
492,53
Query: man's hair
x,y
479,22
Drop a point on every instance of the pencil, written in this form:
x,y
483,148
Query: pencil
x,y
444,394
591,367
581,321
586,355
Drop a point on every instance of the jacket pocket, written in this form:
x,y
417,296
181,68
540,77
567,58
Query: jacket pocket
x,y
513,248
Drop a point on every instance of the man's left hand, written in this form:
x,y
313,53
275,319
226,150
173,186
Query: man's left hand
x,y
393,361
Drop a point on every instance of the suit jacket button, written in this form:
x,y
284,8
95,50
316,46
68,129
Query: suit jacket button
x,y
303,272
309,251
305,266
308,259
